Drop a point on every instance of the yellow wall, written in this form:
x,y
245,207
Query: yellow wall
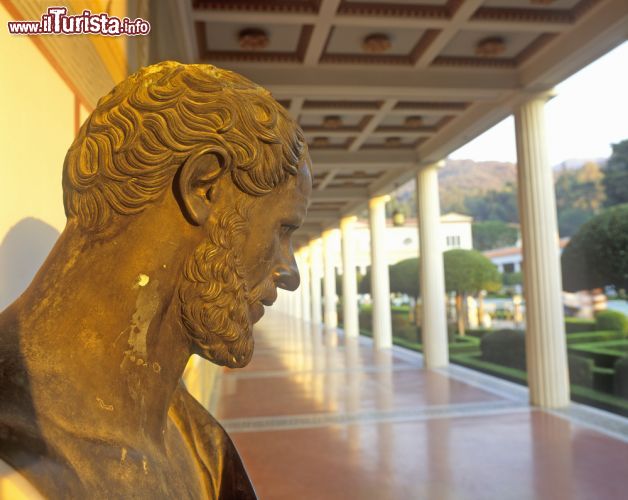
x,y
83,115
36,129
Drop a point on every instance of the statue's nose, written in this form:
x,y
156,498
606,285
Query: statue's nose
x,y
286,276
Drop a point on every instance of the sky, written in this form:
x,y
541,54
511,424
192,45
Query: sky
x,y
589,113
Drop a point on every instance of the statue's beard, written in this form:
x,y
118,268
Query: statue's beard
x,y
214,295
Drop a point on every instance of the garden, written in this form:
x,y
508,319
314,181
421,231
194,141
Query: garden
x,y
597,348
597,353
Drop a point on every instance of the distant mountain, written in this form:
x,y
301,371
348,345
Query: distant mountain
x,y
576,163
477,177
460,179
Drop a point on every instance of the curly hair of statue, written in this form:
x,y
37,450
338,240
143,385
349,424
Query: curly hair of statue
x,y
129,149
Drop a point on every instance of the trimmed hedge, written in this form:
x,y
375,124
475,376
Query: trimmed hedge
x,y
620,380
505,347
597,336
604,354
580,370
576,325
505,372
461,345
478,332
611,320
580,394
604,379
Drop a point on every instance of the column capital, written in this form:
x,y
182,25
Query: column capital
x,y
348,220
436,165
316,242
528,96
379,200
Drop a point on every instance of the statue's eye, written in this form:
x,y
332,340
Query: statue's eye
x,y
289,228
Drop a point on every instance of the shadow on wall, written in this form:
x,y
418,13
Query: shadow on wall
x,y
22,252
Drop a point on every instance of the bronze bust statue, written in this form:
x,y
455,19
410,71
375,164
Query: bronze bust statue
x,y
182,190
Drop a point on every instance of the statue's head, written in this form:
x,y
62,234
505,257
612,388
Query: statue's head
x,y
237,166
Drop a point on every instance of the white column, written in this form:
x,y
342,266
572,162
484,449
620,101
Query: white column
x,y
546,351
296,297
349,279
316,257
380,281
304,268
434,316
330,315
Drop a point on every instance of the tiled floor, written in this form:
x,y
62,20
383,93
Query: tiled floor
x,y
317,416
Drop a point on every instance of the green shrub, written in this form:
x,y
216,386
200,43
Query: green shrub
x,y
478,332
620,381
505,347
576,325
603,354
588,337
413,346
407,331
579,393
365,319
466,340
475,362
580,370
603,379
611,320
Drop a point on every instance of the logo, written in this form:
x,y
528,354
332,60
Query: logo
x,y
57,22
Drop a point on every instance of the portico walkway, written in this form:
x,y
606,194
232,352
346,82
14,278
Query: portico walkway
x,y
317,416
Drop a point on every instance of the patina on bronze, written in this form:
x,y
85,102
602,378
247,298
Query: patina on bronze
x,y
182,191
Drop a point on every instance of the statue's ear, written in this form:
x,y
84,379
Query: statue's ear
x,y
195,182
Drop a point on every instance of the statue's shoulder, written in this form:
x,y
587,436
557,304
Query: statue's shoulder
x,y
225,475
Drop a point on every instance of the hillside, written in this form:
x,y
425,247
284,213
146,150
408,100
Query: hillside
x,y
462,178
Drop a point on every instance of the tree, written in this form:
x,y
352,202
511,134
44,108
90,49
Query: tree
x,y
616,175
597,256
512,279
364,281
494,205
579,196
468,271
581,188
571,219
491,234
404,277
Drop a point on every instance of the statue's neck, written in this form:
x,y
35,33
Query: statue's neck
x,y
99,340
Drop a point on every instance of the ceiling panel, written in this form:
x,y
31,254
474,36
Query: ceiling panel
x,y
315,63
350,39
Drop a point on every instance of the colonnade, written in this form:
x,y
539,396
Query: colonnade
x,y
545,334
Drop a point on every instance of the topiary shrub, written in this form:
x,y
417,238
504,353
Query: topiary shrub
x,y
577,325
611,320
597,336
478,332
366,320
580,370
620,381
505,347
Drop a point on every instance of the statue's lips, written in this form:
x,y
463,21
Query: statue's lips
x,y
268,302
257,311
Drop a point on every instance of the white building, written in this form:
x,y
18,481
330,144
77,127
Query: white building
x,y
509,259
403,242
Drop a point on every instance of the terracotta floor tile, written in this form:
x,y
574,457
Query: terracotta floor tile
x,y
318,417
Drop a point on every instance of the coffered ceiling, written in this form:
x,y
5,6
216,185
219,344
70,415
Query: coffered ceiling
x,y
383,87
